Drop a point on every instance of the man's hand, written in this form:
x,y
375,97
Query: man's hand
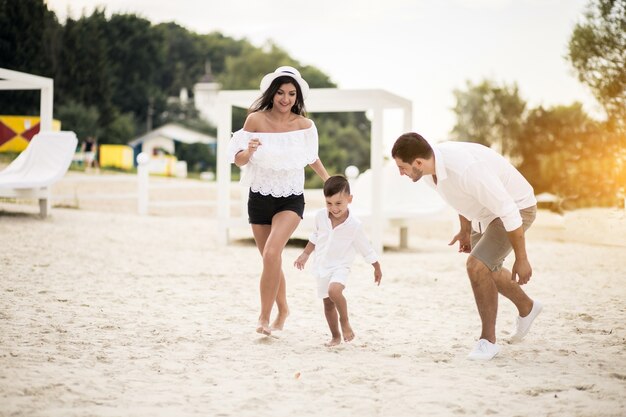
x,y
301,261
465,244
378,273
523,270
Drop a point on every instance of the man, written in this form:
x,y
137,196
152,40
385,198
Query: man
x,y
496,205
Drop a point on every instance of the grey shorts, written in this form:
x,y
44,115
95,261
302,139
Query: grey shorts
x,y
493,245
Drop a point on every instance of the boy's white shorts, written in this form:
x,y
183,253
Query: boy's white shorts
x,y
339,275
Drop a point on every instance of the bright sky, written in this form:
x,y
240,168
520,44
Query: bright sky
x,y
419,49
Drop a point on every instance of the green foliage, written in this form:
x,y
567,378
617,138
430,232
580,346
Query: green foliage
x,y
343,142
244,71
597,50
199,157
29,35
489,114
121,71
560,150
135,62
184,58
80,119
121,128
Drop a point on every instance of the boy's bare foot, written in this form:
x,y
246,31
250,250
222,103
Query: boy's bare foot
x,y
263,328
279,322
346,329
333,342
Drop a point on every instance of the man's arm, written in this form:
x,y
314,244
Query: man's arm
x,y
521,267
463,237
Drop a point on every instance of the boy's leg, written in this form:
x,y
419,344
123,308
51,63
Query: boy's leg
x,y
335,292
330,311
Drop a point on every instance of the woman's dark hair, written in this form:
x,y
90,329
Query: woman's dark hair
x,y
266,101
335,185
410,146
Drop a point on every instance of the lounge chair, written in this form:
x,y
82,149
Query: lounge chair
x,y
43,163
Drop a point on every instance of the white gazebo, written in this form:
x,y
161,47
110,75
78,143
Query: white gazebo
x,y
15,80
326,100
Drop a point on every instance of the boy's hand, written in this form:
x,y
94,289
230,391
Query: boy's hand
x,y
301,261
378,273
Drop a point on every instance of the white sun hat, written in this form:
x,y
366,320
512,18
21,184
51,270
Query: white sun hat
x,y
288,72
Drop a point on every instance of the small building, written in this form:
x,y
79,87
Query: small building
x,y
165,138
160,145
205,94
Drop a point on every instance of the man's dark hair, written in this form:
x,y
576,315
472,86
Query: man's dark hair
x,y
335,185
410,146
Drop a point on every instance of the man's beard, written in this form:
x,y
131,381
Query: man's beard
x,y
417,174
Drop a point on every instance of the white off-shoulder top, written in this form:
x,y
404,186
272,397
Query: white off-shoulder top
x,y
277,167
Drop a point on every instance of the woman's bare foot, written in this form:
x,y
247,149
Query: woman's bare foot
x,y
346,329
279,322
264,328
333,342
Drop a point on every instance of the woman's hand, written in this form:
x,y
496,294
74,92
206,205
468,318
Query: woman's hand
x,y
253,145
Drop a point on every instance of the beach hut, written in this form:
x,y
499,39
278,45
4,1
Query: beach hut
x,y
160,145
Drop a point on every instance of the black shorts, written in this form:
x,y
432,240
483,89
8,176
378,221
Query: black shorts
x,y
262,208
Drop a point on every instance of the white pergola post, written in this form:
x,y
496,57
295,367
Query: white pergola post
x,y
45,108
224,128
378,191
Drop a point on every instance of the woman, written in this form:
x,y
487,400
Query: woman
x,y
276,143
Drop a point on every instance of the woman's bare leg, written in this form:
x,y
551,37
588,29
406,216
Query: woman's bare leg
x,y
271,246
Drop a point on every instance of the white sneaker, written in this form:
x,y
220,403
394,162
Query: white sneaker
x,y
484,351
522,324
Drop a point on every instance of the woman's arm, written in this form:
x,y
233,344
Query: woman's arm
x,y
243,157
319,169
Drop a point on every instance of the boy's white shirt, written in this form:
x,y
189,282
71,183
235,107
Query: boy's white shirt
x,y
337,248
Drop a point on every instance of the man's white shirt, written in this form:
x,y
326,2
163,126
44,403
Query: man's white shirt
x,y
480,184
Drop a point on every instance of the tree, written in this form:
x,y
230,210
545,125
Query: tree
x,y
84,75
121,129
489,114
597,50
80,119
567,153
136,61
184,60
29,35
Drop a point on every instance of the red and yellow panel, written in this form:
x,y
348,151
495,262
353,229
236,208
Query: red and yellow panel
x,y
17,131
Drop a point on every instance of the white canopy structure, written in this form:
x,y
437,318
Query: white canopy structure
x,y
15,80
325,100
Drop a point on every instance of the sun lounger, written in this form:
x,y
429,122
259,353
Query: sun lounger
x,y
44,162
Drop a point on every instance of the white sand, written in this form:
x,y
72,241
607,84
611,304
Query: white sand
x,y
111,314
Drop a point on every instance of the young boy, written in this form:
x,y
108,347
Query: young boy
x,y
337,237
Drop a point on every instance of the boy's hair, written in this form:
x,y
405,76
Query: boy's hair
x,y
411,146
335,185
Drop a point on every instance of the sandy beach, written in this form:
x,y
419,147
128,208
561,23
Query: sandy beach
x,y
107,313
